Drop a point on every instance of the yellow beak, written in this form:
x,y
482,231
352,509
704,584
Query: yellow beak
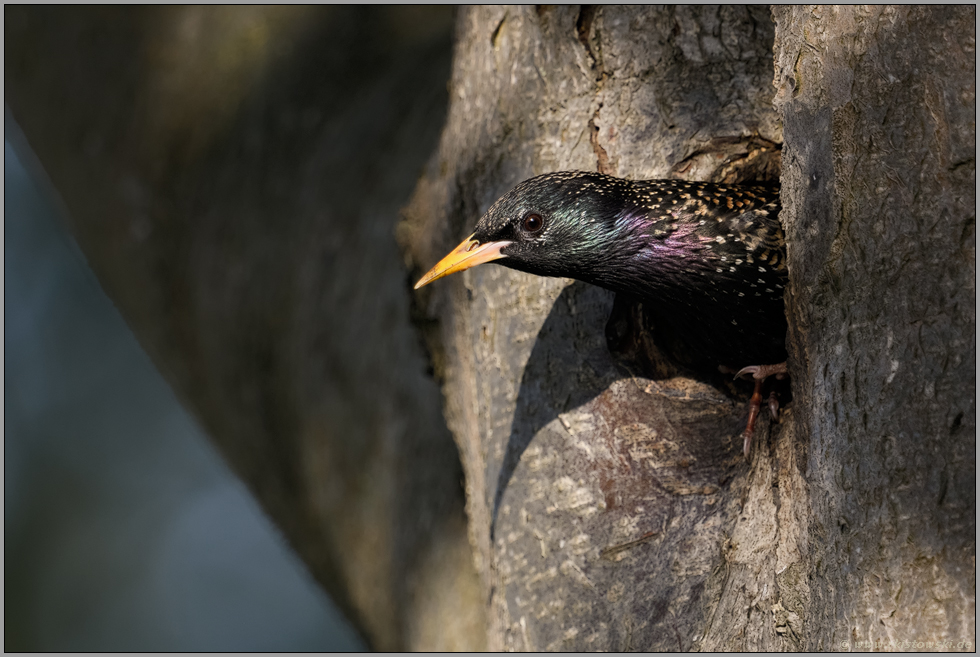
x,y
468,254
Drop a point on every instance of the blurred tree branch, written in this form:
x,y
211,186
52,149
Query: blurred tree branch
x,y
233,175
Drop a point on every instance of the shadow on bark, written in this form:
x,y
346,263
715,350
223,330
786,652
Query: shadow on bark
x,y
597,467
583,376
552,359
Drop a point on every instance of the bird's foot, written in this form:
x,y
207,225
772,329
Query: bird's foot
x,y
760,373
774,406
763,372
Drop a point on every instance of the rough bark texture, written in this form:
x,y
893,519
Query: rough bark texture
x,y
879,179
612,510
234,177
604,506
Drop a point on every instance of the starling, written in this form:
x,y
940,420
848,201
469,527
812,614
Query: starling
x,y
708,259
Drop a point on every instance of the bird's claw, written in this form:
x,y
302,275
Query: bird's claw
x,y
760,373
774,406
755,405
763,372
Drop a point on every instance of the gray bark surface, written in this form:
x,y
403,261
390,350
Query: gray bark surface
x,y
609,507
602,504
234,177
879,196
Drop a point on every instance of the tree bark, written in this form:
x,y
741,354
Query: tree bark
x,y
879,196
612,510
233,175
602,504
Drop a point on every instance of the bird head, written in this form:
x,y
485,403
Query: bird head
x,y
552,225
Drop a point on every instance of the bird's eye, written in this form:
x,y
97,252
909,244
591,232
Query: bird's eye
x,y
532,223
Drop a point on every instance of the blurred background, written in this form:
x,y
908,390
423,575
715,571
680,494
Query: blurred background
x,y
124,529
233,177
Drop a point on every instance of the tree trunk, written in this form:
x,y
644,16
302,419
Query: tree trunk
x,y
612,510
879,178
233,175
604,506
